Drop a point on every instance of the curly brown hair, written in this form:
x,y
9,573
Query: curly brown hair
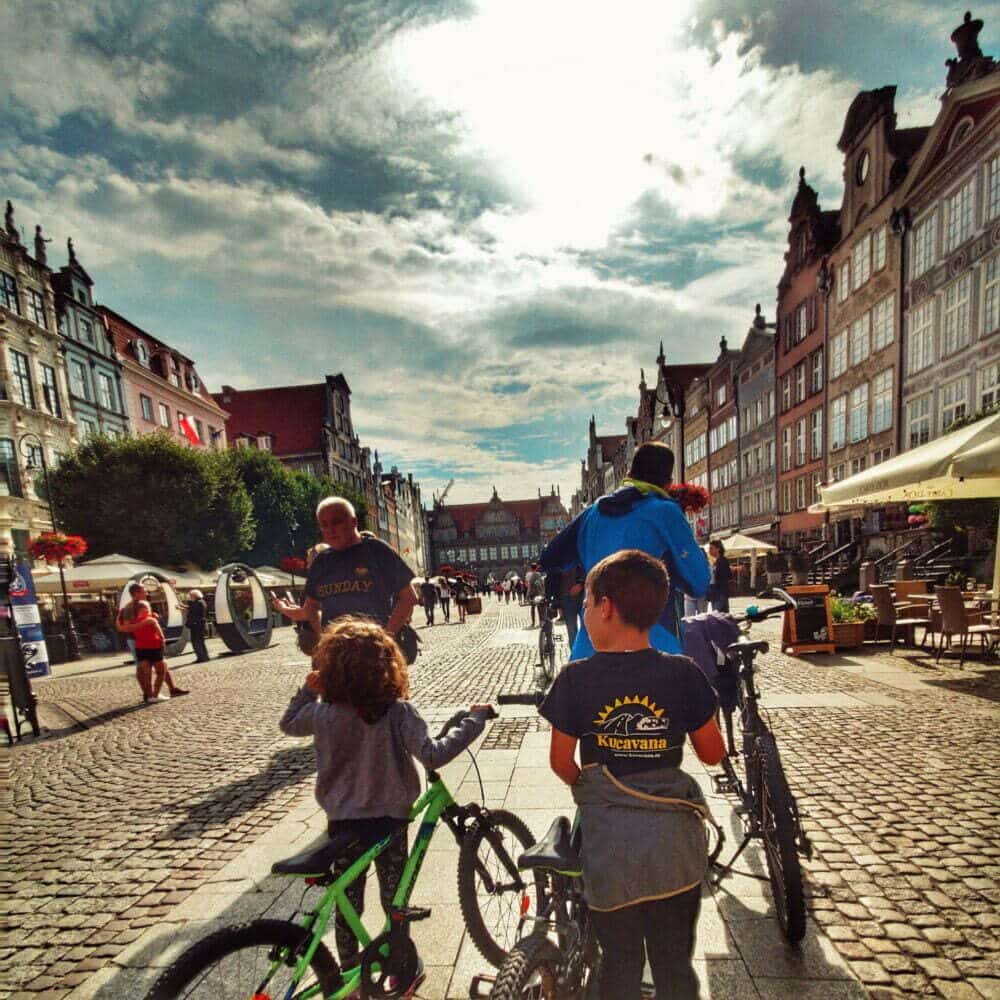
x,y
360,665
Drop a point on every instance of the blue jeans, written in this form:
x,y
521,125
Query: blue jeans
x,y
571,613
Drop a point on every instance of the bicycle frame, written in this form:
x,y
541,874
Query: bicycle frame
x,y
434,804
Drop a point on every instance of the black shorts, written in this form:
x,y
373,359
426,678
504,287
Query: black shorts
x,y
151,655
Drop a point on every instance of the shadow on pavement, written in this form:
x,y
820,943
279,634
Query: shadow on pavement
x,y
69,724
286,767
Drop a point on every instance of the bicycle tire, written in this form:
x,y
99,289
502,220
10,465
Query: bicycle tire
x,y
777,821
495,936
211,951
532,957
547,653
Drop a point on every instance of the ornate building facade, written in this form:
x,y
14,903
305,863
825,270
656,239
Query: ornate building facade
x,y
696,461
951,217
723,444
35,415
494,539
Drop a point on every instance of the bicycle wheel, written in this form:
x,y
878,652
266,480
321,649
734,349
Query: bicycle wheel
x,y
249,960
531,970
491,889
777,821
547,652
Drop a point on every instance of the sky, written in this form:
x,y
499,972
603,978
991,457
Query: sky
x,y
486,213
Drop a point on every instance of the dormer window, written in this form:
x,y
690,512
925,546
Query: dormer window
x,y
141,353
264,442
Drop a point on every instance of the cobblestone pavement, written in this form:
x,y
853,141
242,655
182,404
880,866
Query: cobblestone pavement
x,y
894,763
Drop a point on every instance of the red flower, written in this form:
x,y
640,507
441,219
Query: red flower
x,y
54,546
690,497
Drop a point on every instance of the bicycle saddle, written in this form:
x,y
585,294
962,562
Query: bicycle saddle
x,y
554,850
758,646
318,857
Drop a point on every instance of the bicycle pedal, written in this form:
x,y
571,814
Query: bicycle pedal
x,y
409,914
478,982
722,784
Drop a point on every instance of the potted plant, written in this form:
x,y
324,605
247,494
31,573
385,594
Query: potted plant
x,y
849,622
776,566
799,565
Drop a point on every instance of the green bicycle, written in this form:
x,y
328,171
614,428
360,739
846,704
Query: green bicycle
x,y
285,960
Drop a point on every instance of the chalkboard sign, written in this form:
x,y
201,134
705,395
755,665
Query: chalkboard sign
x,y
809,627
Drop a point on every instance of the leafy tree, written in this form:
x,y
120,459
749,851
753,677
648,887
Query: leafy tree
x,y
309,491
274,494
957,516
153,498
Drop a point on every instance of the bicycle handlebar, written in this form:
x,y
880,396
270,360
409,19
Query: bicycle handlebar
x,y
457,719
755,614
532,698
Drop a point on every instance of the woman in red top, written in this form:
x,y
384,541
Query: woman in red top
x,y
139,619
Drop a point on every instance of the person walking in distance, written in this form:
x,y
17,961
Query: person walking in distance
x,y
535,584
640,515
444,597
428,595
357,575
722,577
197,622
139,619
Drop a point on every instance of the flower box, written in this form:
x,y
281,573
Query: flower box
x,y
848,635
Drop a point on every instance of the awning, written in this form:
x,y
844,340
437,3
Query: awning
x,y
759,529
110,572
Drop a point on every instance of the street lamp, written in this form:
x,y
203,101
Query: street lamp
x,y
31,447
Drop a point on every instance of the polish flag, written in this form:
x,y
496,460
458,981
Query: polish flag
x,y
189,432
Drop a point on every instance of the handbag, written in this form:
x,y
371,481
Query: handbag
x,y
408,642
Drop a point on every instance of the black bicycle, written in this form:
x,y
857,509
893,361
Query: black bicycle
x,y
547,611
770,811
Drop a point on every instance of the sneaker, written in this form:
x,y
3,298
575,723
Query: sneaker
x,y
162,697
177,692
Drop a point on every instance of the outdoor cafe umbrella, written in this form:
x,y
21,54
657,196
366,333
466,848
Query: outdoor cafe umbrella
x,y
961,465
109,572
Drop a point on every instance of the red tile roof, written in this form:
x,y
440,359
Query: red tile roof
x,y
465,515
293,415
124,331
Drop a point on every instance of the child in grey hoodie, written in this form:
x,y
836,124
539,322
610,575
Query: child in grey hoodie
x,y
366,735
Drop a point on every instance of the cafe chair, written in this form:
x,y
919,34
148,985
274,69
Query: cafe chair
x,y
893,616
905,589
956,620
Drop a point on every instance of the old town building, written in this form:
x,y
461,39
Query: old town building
x,y
495,539
307,427
754,381
863,341
696,465
93,368
35,416
604,467
723,444
800,367
950,208
672,384
405,518
162,387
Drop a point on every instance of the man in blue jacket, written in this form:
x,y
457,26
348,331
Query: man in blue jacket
x,y
639,515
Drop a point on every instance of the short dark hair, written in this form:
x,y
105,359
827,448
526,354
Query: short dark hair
x,y
134,586
652,463
636,584
718,545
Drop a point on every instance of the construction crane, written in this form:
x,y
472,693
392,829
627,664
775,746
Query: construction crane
x,y
440,500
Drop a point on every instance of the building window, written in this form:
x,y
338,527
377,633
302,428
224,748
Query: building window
x,y
800,492
837,472
955,321
989,385
786,393
882,401
78,383
861,261
993,188
991,295
36,309
878,251
843,280
920,351
860,340
800,382
493,553
24,392
86,330
918,420
164,415
816,372
883,323
858,465
859,412
958,216
264,442
88,428
816,433
923,246
786,496
838,355
786,448
8,296
801,322
800,442
881,455
142,353
720,396
954,400
838,423
146,405
50,391
106,391
10,475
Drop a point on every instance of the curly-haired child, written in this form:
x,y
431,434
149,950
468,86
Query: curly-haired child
x,y
367,734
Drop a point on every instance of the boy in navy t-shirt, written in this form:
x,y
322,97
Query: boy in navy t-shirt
x,y
630,707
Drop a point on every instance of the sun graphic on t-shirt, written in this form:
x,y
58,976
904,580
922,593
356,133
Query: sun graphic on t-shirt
x,y
633,699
